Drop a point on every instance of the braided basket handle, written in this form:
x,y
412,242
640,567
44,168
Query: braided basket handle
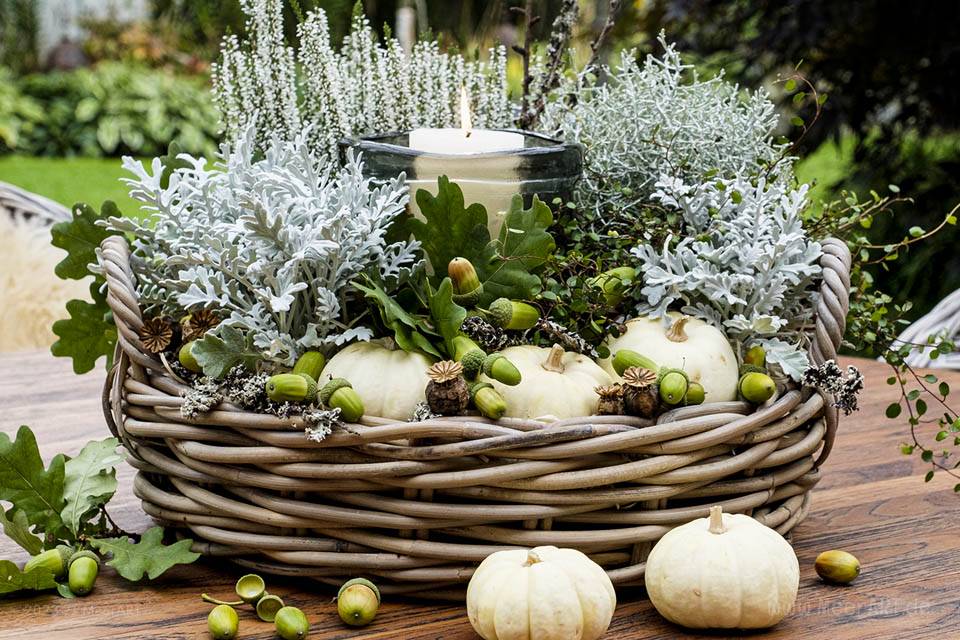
x,y
831,321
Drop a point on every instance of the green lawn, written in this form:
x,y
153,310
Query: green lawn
x,y
69,180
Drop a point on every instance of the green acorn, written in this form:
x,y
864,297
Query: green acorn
x,y
511,314
673,385
627,358
488,400
223,622
291,387
358,601
467,287
695,394
755,356
291,624
187,359
499,368
310,363
339,394
756,387
469,354
55,561
84,567
614,283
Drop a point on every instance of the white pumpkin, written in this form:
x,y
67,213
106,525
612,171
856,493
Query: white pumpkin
x,y
554,383
691,344
389,380
544,593
723,572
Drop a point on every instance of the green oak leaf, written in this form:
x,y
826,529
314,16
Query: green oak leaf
x,y
523,247
16,527
447,315
12,579
87,334
80,237
90,481
411,332
449,230
223,349
24,482
171,163
149,556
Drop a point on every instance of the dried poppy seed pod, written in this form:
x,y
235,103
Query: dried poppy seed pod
x,y
641,397
447,392
611,400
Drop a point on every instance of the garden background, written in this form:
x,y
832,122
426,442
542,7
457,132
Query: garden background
x,y
83,82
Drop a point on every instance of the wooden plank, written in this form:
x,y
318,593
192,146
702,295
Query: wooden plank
x,y
872,501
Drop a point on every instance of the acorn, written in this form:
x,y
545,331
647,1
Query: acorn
x,y
511,314
223,622
641,397
614,283
467,288
838,567
55,561
291,624
187,359
756,387
82,574
447,392
469,354
291,387
339,394
626,358
358,601
611,400
488,400
755,356
673,385
310,363
498,367
695,394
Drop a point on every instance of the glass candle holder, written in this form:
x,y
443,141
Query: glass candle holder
x,y
544,166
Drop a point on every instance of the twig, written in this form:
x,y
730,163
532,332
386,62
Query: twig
x,y
526,50
597,45
560,35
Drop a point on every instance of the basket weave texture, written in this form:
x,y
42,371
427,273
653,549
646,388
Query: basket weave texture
x,y
417,505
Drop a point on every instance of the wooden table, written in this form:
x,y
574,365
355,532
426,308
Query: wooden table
x,y
872,502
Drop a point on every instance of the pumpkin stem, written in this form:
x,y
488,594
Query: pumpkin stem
x,y
676,333
716,519
532,558
388,343
554,361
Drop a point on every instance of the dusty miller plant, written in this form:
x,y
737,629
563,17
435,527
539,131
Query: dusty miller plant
x,y
270,243
364,87
654,118
746,264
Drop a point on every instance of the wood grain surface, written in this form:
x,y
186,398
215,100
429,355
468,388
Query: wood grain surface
x,y
872,502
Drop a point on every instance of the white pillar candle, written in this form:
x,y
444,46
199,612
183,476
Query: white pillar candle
x,y
463,142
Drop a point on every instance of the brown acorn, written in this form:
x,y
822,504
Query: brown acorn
x,y
641,397
611,400
447,392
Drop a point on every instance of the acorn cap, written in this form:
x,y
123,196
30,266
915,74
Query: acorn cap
x,y
331,387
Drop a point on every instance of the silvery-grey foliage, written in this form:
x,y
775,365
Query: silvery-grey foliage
x,y
658,117
364,87
746,265
272,242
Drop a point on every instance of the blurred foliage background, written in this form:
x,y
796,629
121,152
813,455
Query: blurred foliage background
x,y
891,69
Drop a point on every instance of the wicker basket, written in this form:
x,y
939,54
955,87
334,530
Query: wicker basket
x,y
416,505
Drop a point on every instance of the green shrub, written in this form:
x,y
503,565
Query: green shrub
x,y
18,113
116,109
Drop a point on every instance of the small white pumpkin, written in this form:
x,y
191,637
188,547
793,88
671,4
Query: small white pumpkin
x,y
554,383
389,380
700,349
723,572
544,593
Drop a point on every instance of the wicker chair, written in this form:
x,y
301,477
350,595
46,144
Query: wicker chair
x,y
944,320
